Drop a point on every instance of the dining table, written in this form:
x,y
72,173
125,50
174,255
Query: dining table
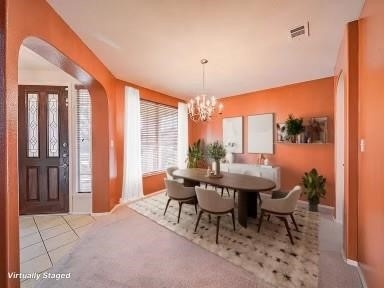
x,y
246,186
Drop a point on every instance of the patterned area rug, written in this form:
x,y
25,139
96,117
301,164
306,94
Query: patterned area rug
x,y
268,254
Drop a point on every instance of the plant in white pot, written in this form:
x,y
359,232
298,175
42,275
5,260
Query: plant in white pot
x,y
216,151
314,187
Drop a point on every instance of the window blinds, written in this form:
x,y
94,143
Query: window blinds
x,y
84,141
158,136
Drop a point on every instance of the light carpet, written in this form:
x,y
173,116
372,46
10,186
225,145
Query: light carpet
x,y
269,254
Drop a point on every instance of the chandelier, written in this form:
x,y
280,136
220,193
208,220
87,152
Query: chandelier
x,y
203,107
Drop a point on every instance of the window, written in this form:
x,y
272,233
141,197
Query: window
x,y
158,136
83,141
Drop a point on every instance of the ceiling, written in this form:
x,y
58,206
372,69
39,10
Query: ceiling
x,y
159,44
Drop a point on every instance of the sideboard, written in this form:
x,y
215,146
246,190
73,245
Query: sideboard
x,y
268,172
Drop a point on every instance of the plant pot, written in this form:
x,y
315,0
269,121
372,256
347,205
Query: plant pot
x,y
313,207
217,167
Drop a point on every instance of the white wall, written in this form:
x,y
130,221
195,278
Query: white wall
x,y
79,202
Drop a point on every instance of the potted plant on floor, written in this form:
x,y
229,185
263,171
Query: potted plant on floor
x,y
314,188
216,151
195,154
294,127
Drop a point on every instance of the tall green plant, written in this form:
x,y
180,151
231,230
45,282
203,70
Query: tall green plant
x,y
314,185
195,154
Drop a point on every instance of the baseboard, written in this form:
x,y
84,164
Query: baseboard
x,y
322,208
349,261
362,278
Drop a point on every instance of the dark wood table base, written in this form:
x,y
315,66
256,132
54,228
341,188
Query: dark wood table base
x,y
247,206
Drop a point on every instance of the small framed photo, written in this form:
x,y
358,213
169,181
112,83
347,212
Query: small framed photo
x,y
318,130
281,132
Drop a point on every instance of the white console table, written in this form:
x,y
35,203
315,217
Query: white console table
x,y
268,172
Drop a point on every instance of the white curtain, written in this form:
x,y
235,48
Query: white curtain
x,y
182,135
132,176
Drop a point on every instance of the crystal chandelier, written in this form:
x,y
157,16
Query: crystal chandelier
x,y
202,107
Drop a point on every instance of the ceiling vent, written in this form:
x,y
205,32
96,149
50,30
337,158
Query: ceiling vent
x,y
300,31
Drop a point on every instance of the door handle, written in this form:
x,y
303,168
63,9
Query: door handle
x,y
65,165
65,155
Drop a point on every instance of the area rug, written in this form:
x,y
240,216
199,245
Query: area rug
x,y
269,255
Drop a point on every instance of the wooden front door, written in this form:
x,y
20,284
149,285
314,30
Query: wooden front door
x,y
43,149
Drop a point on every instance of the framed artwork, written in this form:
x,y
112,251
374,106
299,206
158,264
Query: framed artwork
x,y
281,132
261,134
318,130
233,134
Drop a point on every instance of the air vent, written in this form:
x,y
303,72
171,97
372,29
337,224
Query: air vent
x,y
300,31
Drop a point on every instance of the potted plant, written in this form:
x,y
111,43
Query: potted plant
x,y
314,187
195,154
216,151
294,127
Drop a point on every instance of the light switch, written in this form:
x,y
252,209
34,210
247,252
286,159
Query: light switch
x,y
362,145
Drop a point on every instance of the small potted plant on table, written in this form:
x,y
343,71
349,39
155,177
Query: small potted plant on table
x,y
314,188
216,151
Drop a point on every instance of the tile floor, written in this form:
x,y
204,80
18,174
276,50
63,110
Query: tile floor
x,y
45,239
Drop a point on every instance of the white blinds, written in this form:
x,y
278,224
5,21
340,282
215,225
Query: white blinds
x,y
158,136
83,141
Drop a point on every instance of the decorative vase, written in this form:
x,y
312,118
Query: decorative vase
x,y
217,167
229,157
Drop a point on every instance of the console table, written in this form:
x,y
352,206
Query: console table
x,y
263,171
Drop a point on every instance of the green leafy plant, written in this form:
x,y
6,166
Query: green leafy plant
x,y
195,154
294,125
216,151
314,188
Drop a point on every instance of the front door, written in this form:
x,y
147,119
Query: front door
x,y
43,149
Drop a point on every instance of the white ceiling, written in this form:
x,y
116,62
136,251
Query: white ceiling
x,y
159,44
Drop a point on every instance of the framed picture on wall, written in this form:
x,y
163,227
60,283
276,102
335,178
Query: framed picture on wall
x,y
318,130
233,134
260,133
281,132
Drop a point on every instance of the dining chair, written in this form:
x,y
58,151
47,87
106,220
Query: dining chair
x,y
282,208
210,202
184,195
169,172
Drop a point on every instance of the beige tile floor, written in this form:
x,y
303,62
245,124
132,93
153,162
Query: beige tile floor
x,y
45,239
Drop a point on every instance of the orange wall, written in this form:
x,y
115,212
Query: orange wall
x,y
347,63
307,99
371,162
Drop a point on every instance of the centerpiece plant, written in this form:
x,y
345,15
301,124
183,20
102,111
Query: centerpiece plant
x,y
216,151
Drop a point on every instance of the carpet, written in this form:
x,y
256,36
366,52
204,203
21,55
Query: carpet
x,y
125,249
269,254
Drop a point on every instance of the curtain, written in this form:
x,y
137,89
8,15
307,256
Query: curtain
x,y
182,135
132,175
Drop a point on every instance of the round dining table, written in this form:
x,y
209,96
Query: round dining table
x,y
246,186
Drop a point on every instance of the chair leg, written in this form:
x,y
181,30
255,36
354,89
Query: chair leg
x,y
196,207
222,191
209,217
198,220
233,219
206,185
229,194
178,217
269,217
294,222
166,207
288,230
261,220
259,198
217,229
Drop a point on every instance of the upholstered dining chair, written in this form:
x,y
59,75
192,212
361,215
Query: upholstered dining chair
x,y
211,203
169,171
282,208
184,195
